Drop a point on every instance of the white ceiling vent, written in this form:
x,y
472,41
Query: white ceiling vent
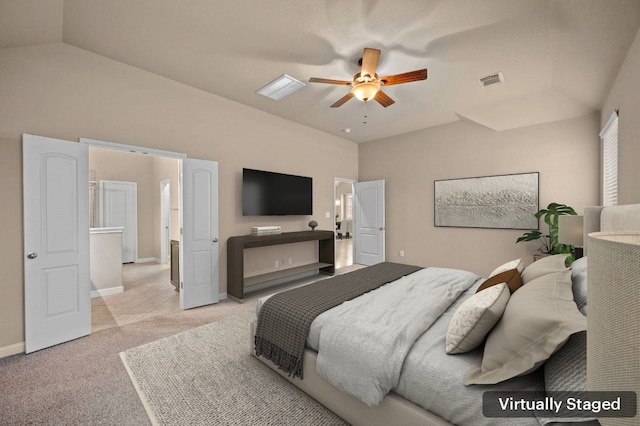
x,y
281,87
491,79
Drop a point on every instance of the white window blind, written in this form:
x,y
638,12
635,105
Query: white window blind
x,y
609,136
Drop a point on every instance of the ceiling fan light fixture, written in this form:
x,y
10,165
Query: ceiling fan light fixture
x,y
281,87
366,91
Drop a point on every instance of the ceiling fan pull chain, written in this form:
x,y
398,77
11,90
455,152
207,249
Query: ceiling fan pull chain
x,y
365,112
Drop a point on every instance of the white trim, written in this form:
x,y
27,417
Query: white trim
x,y
131,148
112,230
16,348
107,291
147,259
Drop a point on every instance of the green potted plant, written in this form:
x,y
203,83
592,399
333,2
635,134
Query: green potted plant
x,y
549,242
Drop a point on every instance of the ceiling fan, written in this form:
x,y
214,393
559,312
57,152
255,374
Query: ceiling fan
x,y
366,84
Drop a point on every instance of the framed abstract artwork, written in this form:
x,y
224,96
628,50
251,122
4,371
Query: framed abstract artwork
x,y
503,201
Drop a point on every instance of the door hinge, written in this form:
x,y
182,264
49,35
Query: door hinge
x,y
181,285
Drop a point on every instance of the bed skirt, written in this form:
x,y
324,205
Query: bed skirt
x,y
392,410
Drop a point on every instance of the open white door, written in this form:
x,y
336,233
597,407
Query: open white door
x,y
56,241
369,222
199,241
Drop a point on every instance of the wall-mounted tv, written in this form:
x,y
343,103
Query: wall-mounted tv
x,y
275,194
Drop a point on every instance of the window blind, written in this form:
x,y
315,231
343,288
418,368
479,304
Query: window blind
x,y
609,136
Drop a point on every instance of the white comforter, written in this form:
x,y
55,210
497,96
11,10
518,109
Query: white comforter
x,y
363,342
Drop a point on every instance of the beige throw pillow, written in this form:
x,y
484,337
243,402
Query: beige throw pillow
x,y
546,265
475,318
537,321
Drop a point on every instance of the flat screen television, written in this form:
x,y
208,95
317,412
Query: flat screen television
x,y
275,194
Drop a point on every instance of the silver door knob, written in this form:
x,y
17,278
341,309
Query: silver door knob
x,y
381,228
32,255
215,240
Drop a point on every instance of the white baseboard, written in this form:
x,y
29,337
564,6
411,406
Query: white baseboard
x,y
147,259
107,291
17,348
222,296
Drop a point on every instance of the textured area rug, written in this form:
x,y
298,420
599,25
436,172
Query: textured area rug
x,y
207,376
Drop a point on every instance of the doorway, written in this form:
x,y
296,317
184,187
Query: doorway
x,y
135,194
343,190
65,165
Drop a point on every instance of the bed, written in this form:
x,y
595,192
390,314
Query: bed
x,y
448,361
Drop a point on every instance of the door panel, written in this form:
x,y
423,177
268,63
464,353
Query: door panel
x,y
369,222
199,247
119,208
56,241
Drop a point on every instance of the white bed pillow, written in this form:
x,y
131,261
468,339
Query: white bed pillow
x,y
513,264
475,318
544,266
538,320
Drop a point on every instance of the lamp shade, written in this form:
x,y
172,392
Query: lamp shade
x,y
570,230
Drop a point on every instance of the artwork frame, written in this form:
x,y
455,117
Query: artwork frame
x,y
507,201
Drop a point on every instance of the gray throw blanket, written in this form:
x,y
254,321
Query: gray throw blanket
x,y
285,318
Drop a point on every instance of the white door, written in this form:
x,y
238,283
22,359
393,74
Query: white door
x,y
369,222
119,208
165,220
199,241
57,286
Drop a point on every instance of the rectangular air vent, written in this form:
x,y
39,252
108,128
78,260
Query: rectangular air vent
x,y
281,87
491,79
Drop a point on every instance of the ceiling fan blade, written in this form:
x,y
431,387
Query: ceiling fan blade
x,y
383,99
370,58
405,77
342,100
329,81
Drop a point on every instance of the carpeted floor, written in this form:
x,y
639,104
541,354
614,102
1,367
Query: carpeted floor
x,y
206,376
84,382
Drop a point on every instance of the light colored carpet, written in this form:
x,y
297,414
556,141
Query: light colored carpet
x,y
207,376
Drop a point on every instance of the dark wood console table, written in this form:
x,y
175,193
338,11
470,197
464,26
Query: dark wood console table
x,y
236,281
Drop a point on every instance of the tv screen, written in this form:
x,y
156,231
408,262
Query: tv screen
x,y
275,194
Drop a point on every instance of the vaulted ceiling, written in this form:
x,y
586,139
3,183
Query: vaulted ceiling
x,y
558,57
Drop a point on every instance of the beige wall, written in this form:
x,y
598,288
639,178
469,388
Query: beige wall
x,y
565,153
64,92
11,285
625,97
